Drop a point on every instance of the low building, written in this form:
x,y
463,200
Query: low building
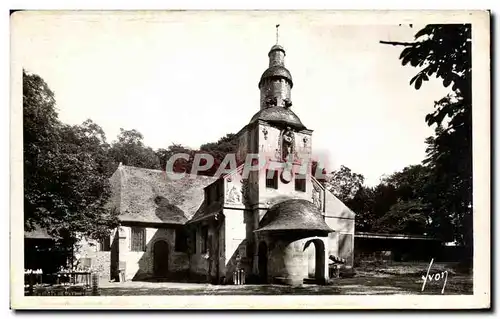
x,y
396,247
41,251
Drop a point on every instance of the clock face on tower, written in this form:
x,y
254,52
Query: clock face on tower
x,y
286,176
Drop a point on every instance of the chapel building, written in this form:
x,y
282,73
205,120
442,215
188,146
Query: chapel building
x,y
279,224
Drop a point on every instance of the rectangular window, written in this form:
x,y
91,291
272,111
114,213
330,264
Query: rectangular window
x,y
204,239
138,239
181,240
272,179
105,244
300,183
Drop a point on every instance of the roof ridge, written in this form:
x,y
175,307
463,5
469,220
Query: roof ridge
x,y
162,171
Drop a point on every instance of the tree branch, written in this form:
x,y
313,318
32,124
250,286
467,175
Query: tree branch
x,y
408,44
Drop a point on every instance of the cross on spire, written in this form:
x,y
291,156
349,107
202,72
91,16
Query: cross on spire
x,y
277,33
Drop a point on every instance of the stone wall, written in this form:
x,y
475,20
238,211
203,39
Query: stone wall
x,y
140,264
341,242
100,261
198,260
213,259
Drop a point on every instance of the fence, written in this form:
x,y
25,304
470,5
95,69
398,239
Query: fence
x,y
66,284
239,277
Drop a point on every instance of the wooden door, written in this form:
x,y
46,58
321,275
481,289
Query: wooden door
x,y
160,251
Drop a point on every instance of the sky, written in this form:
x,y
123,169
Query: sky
x,y
190,78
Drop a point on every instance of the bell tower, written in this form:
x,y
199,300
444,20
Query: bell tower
x,y
276,83
280,140
282,208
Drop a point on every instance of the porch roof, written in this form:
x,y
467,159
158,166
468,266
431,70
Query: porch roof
x,y
294,214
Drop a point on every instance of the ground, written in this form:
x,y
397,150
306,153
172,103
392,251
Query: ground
x,y
400,278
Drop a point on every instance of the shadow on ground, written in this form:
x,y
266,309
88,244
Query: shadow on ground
x,y
388,279
360,285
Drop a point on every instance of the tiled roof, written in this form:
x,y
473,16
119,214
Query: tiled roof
x,y
279,115
294,214
277,71
150,196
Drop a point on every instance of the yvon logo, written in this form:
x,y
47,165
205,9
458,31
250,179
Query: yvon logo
x,y
435,277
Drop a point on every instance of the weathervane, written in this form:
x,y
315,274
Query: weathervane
x,y
277,33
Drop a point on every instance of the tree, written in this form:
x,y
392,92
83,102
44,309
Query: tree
x,y
410,183
444,51
40,131
130,150
225,145
219,150
180,165
65,186
82,172
363,204
392,200
344,183
404,217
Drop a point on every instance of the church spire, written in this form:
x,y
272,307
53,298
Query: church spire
x,y
276,82
277,33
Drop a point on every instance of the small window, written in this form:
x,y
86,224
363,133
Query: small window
x,y
300,183
138,239
204,239
105,244
181,240
272,179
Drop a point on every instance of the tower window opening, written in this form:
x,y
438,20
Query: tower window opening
x,y
300,183
272,179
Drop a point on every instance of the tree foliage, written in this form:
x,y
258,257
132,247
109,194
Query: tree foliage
x,y
180,165
444,51
398,204
344,183
363,203
129,149
65,183
404,217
